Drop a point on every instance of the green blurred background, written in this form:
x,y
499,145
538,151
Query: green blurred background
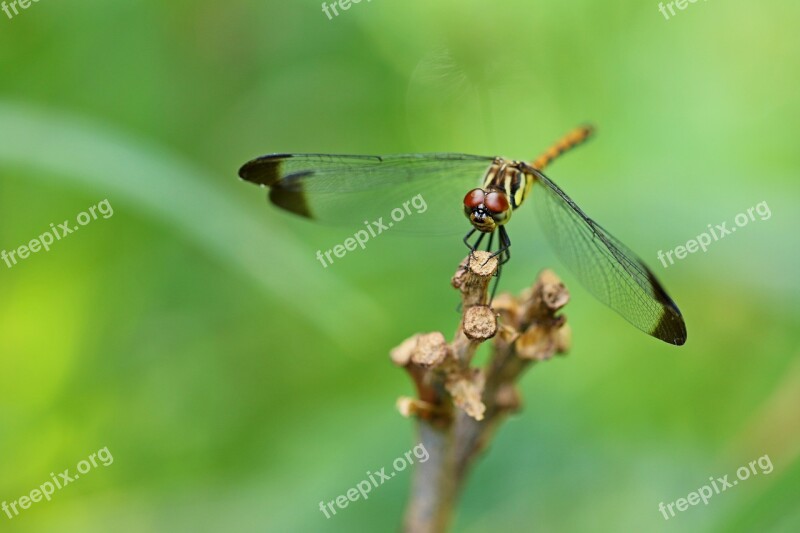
x,y
237,383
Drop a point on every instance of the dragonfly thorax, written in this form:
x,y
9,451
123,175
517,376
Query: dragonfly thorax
x,y
487,209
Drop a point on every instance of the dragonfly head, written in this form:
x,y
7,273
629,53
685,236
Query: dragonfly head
x,y
487,210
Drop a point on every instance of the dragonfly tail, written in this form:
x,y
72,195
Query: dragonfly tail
x,y
574,138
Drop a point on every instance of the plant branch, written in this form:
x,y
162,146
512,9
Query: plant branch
x,y
459,407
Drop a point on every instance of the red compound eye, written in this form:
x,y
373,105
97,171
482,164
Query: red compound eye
x,y
496,202
474,198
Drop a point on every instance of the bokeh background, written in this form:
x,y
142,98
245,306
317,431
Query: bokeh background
x,y
237,383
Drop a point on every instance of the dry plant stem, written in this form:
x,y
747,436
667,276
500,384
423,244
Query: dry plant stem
x,y
459,407
434,482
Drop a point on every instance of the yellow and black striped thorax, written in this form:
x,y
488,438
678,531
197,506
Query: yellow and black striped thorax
x,y
511,178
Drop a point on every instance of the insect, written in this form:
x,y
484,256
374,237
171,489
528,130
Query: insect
x,y
347,189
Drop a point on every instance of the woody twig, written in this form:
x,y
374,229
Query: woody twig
x,y
458,407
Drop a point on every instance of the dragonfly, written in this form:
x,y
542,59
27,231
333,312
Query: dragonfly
x,y
352,189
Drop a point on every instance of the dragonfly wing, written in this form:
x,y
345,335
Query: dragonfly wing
x,y
605,266
414,192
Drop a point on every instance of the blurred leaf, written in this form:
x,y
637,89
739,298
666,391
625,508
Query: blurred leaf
x,y
161,185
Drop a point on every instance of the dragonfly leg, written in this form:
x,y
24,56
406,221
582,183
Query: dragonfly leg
x,y
466,239
505,247
496,282
478,242
474,247
505,256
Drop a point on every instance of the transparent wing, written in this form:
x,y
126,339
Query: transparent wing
x,y
605,266
412,192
